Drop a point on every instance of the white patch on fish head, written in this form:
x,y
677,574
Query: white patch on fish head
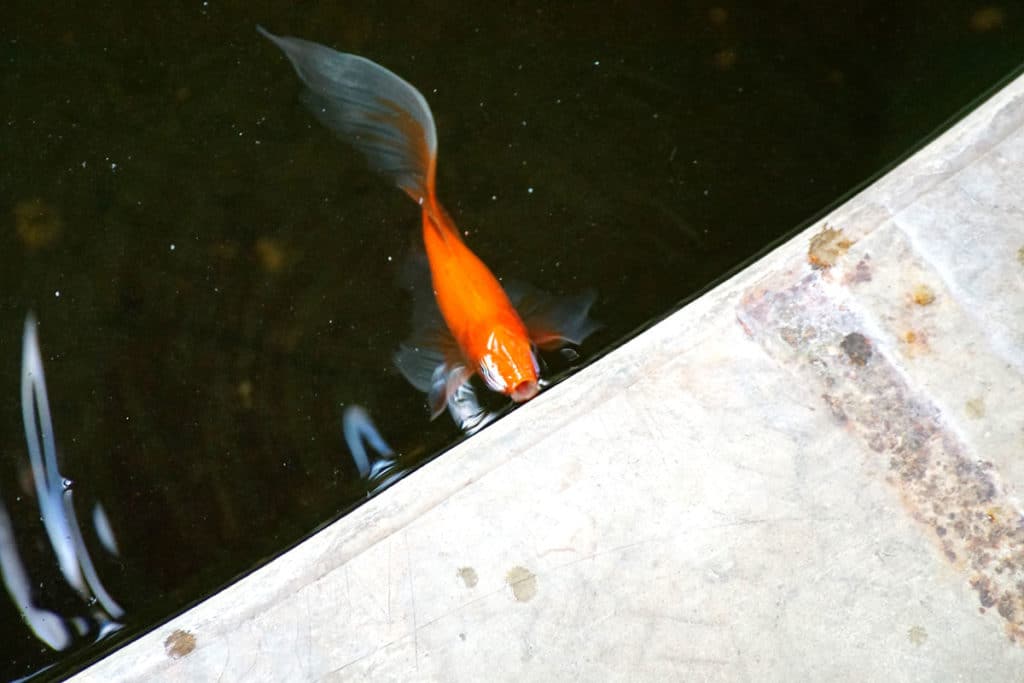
x,y
510,366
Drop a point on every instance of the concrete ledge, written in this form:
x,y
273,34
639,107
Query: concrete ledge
x,y
810,472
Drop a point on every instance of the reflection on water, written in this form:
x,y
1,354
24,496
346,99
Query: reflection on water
x,y
377,471
103,530
468,411
98,613
384,468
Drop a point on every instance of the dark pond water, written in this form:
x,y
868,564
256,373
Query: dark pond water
x,y
215,276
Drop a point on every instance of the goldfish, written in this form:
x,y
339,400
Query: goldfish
x,y
480,330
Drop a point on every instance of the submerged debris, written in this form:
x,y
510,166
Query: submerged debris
x,y
38,224
271,254
987,18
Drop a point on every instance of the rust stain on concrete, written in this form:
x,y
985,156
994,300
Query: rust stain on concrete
x,y
955,494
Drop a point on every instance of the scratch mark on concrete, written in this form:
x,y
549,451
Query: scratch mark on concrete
x,y
412,599
389,580
666,538
227,659
348,588
309,638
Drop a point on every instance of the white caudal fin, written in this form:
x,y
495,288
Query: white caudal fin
x,y
370,108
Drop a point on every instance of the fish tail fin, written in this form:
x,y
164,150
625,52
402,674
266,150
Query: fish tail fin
x,y
370,108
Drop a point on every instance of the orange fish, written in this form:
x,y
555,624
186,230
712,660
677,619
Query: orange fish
x,y
390,123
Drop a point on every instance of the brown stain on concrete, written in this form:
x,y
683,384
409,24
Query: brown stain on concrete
x,y
975,407
917,635
857,348
860,273
953,493
922,295
468,576
523,583
179,644
827,247
915,343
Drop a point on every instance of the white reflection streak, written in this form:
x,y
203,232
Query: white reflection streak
x,y
93,579
103,530
35,412
47,626
55,500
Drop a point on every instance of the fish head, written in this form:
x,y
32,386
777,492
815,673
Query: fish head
x,y
509,365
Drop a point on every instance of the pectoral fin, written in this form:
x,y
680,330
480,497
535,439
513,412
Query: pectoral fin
x,y
468,412
430,359
429,370
553,321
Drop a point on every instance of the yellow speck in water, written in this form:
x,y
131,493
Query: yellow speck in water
x,y
718,16
835,77
245,393
38,224
988,18
725,59
271,254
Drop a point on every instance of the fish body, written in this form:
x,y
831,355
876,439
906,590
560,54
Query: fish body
x,y
489,332
479,329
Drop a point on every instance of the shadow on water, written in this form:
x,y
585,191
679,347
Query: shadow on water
x,y
218,281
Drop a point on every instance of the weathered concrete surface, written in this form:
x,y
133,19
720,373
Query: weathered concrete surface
x,y
809,473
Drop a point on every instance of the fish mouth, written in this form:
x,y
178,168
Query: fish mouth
x,y
524,391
